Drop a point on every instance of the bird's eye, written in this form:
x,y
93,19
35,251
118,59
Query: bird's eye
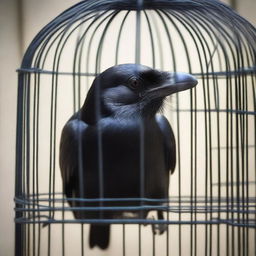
x,y
134,83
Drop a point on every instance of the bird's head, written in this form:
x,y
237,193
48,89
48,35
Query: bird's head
x,y
128,90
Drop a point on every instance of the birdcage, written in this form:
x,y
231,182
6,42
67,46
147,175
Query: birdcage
x,y
211,206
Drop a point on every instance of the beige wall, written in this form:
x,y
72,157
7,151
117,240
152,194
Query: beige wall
x,y
15,35
247,9
10,56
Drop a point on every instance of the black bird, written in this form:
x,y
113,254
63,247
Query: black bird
x,y
117,146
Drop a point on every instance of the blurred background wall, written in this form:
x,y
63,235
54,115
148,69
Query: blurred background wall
x,y
20,20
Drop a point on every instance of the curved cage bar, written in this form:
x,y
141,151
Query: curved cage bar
x,y
214,124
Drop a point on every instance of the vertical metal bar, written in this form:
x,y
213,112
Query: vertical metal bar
x,y
192,175
153,244
77,89
142,159
99,144
137,61
237,153
219,169
243,156
139,230
51,157
179,172
254,122
19,230
210,162
232,172
82,239
227,165
151,39
27,153
63,218
123,229
167,231
36,160
247,166
138,32
195,163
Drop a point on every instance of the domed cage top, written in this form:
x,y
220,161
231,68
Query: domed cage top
x,y
214,182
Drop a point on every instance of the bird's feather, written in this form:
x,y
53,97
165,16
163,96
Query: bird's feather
x,y
169,142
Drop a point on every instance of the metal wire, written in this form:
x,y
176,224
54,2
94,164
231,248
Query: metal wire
x,y
212,193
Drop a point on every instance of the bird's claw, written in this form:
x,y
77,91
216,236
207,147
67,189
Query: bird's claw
x,y
158,228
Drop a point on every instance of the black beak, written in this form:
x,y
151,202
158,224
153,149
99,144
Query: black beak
x,y
174,82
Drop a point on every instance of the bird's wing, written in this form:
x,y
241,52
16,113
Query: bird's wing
x,y
70,146
169,142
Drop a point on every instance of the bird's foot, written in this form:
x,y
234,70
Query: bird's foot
x,y
159,228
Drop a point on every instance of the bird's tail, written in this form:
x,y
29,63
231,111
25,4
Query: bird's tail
x,y
99,235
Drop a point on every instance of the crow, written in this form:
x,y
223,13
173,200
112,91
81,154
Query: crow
x,y
117,146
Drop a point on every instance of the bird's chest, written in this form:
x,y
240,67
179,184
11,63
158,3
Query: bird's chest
x,y
125,144
124,152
